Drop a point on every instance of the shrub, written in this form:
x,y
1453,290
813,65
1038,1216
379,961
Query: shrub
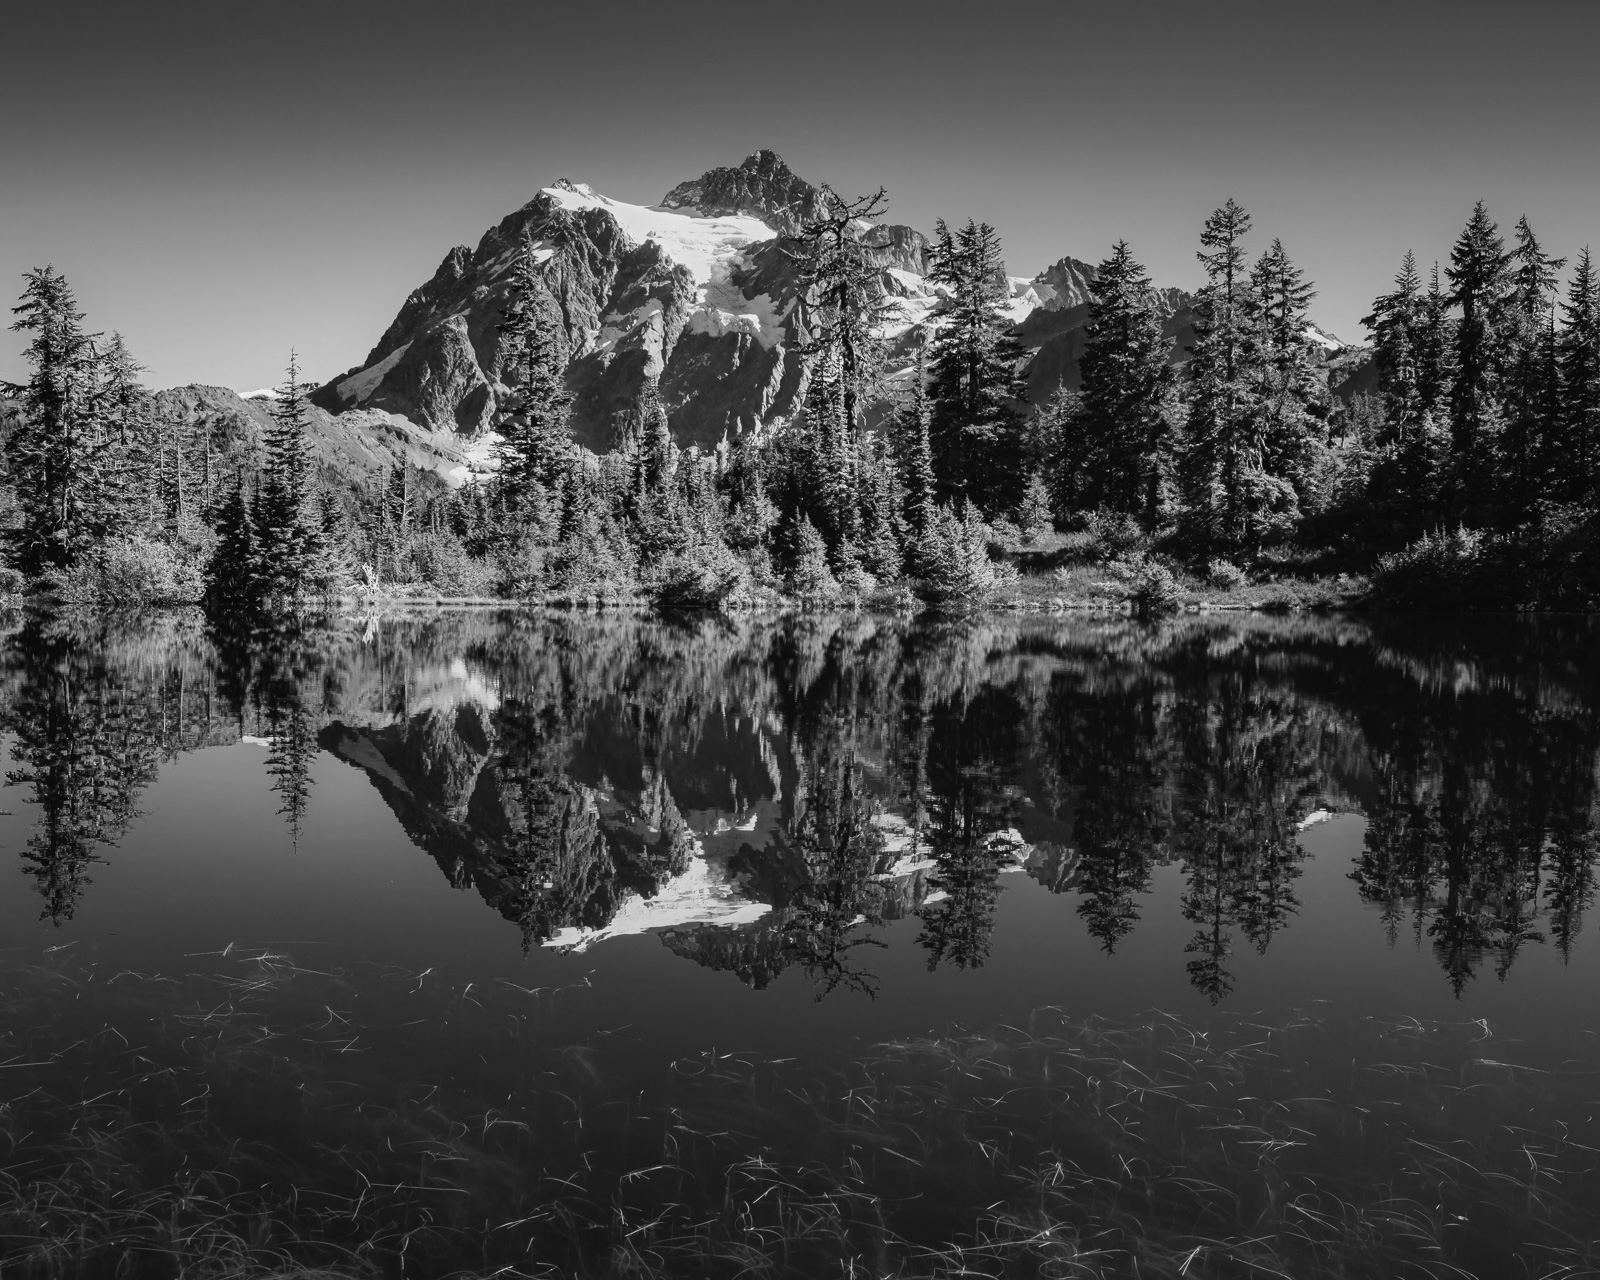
x,y
1113,535
1442,569
954,559
1225,575
132,570
1034,514
702,577
443,562
1155,590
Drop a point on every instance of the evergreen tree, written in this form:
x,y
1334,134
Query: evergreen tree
x,y
287,521
58,451
1292,398
1577,448
914,450
1481,286
1115,450
130,493
842,311
1231,502
1395,324
1531,390
234,577
975,423
536,438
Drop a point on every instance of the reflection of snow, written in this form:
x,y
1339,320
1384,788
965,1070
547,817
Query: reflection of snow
x,y
448,686
1010,846
898,840
1316,818
699,896
250,740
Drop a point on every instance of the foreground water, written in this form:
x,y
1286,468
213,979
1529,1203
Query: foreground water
x,y
855,946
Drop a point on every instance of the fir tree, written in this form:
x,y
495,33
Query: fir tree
x,y
842,312
914,450
1115,448
975,425
1291,395
287,522
1481,286
535,434
1395,324
1577,449
1531,390
235,576
58,452
1231,502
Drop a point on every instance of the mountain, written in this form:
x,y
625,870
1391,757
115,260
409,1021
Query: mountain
x,y
696,293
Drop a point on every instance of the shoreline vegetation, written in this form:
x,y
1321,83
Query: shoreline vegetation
x,y
1220,472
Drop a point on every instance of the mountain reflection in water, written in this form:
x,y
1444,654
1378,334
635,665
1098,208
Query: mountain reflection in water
x,y
765,794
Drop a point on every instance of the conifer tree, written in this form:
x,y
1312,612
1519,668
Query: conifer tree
x,y
57,454
1115,449
1481,286
1530,374
1292,397
130,491
975,425
843,307
1577,448
234,577
535,435
1395,323
1231,502
287,522
914,450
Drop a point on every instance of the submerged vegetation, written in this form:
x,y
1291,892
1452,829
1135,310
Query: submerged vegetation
x,y
229,1123
1453,463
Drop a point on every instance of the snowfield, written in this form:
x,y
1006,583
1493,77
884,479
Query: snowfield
x,y
710,248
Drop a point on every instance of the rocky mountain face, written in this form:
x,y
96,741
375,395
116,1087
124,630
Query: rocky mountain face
x,y
696,294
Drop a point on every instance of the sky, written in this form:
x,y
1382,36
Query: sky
x,y
224,181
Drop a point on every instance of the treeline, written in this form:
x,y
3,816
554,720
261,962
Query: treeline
x,y
1466,475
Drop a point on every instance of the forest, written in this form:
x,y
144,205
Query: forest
x,y
1465,476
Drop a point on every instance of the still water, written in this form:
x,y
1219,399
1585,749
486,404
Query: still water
x,y
485,871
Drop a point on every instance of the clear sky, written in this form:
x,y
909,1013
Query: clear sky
x,y
221,181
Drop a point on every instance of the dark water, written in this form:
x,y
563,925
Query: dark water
x,y
503,860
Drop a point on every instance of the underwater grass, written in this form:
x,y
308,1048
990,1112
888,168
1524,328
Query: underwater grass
x,y
258,1121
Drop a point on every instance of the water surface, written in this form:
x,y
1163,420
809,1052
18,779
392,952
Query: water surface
x,y
435,850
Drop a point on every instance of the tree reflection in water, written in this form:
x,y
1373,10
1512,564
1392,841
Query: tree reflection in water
x,y
587,777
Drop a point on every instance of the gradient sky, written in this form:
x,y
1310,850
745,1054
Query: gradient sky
x,y
222,181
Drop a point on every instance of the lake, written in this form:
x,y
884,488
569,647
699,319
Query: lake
x,y
489,943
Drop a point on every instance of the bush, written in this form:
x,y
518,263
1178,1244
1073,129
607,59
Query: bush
x,y
1155,590
956,570
1441,569
1113,535
132,570
1225,575
702,577
441,560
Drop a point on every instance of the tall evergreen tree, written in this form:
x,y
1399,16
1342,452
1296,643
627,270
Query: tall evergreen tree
x,y
975,389
1116,448
1577,447
842,312
535,435
914,450
1292,397
1531,391
1231,502
1481,286
58,452
287,519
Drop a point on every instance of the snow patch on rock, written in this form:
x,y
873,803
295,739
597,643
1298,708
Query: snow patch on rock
x,y
358,386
